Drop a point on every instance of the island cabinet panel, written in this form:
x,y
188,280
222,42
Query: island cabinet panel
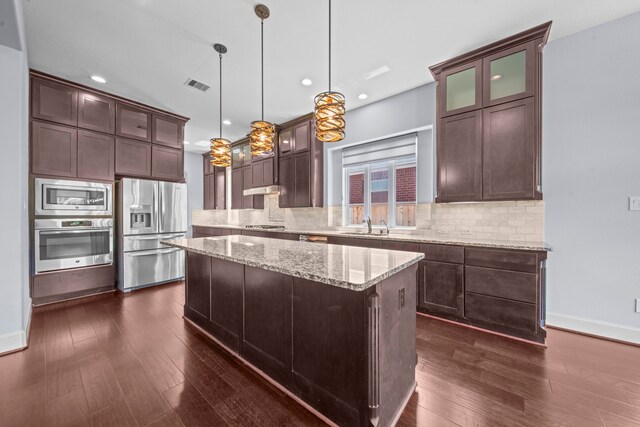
x,y
167,163
267,321
133,122
198,293
441,287
168,131
96,112
54,149
226,302
96,156
54,102
133,158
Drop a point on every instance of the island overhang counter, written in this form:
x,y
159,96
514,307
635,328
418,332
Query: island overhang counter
x,y
334,326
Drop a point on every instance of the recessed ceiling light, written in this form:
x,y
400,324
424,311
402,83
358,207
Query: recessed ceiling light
x,y
98,79
203,143
306,82
363,96
496,77
226,122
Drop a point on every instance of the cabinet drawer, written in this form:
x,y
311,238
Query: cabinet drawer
x,y
400,246
206,231
506,260
74,280
501,283
443,253
501,312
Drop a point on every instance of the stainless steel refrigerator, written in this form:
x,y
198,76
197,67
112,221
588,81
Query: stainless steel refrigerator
x,y
148,212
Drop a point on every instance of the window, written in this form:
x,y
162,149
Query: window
x,y
383,191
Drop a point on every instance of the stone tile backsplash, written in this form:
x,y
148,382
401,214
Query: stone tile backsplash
x,y
521,221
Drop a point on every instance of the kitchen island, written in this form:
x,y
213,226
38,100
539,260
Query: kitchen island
x,y
332,325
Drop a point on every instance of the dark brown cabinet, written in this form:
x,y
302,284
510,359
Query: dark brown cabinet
x,y
54,149
133,158
215,182
295,138
198,273
287,182
166,163
459,151
96,156
509,151
133,122
241,154
209,192
489,121
96,112
240,181
207,167
262,172
441,287
54,102
221,188
168,131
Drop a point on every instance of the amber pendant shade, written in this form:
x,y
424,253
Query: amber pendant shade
x,y
329,116
261,138
220,152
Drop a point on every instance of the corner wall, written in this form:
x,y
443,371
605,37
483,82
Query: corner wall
x,y
591,149
15,304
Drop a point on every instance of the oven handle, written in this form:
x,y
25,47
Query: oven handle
x,y
84,230
162,252
163,236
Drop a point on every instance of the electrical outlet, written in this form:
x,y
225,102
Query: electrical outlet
x,y
634,203
637,305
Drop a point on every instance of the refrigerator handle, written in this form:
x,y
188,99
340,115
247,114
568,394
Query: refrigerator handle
x,y
161,214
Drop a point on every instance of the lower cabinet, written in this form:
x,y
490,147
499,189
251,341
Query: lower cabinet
x,y
441,287
198,297
66,284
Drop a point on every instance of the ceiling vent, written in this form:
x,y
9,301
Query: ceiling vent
x,y
196,84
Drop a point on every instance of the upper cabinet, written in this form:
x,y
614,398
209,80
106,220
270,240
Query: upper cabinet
x,y
96,112
489,121
54,102
149,142
133,122
295,138
241,154
215,185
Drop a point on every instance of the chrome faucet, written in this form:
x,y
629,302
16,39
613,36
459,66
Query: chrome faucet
x,y
367,220
382,221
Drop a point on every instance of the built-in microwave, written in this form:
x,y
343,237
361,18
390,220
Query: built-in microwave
x,y
63,198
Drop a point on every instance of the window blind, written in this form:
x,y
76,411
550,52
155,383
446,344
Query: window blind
x,y
379,151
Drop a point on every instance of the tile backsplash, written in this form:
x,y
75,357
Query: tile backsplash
x,y
521,221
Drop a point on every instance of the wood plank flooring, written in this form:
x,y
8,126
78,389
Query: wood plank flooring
x,y
116,360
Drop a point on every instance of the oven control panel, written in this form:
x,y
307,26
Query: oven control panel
x,y
77,223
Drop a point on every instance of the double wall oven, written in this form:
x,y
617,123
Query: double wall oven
x,y
73,226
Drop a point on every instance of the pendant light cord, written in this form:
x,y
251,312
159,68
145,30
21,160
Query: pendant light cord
x,y
329,45
262,64
220,55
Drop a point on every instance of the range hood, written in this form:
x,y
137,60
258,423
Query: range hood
x,y
259,191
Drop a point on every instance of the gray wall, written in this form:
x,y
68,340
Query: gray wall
x,y
591,141
15,303
408,110
193,174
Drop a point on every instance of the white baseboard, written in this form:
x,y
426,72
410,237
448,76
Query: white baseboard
x,y
13,341
595,327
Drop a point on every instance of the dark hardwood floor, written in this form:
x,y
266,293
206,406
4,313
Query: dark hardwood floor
x,y
115,360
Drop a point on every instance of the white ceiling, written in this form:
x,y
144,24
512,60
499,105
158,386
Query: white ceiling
x,y
146,49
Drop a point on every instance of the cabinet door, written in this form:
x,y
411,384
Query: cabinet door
x,y
441,287
221,188
302,180
285,141
247,201
459,151
509,151
460,89
267,171
96,156
96,112
207,167
287,182
246,154
168,131
236,189
198,296
257,174
53,101
166,163
209,192
301,137
132,122
54,149
133,158
237,156
509,75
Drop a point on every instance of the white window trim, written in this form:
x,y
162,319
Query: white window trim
x,y
392,166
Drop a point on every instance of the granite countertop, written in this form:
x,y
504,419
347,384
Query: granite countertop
x,y
413,238
348,267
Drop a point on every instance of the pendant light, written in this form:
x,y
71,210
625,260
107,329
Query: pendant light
x,y
329,108
220,147
262,133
